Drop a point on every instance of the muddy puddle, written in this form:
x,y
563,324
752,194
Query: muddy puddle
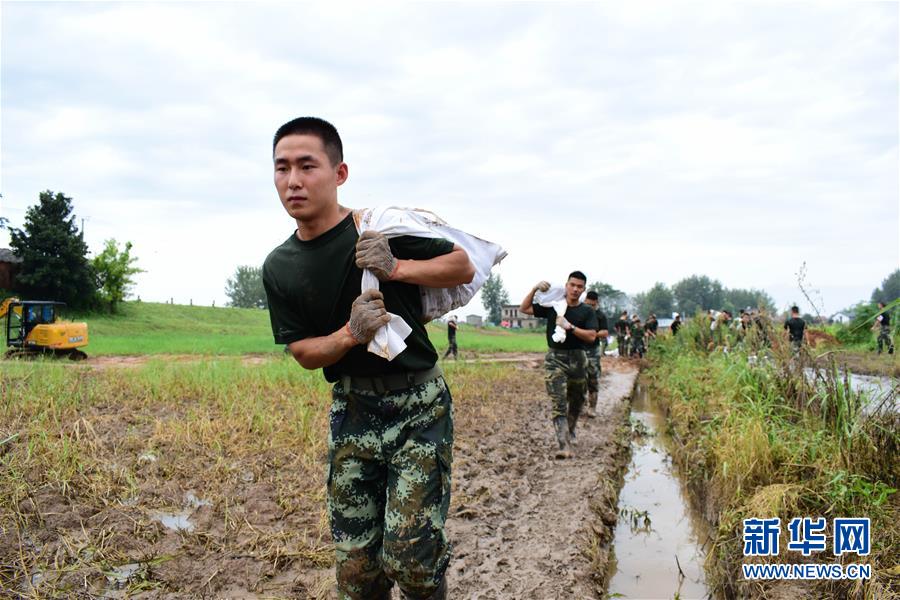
x,y
882,393
658,539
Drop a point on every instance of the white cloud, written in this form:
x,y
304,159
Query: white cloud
x,y
638,145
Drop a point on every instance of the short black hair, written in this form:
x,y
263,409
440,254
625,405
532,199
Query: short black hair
x,y
577,275
592,295
322,129
795,309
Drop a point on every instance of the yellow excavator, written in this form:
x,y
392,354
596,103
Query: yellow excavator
x,y
33,328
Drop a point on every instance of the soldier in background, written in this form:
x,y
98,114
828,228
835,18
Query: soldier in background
x,y
451,338
637,338
622,328
594,353
676,324
795,326
565,366
883,323
652,326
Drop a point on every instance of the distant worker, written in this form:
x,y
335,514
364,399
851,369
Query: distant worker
x,y
565,365
651,327
594,353
676,324
795,326
451,338
622,328
637,338
883,320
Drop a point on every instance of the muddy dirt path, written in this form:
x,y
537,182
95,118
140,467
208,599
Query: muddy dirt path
x,y
526,525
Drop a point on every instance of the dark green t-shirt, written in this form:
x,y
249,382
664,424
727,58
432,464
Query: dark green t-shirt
x,y
795,327
602,323
582,316
310,286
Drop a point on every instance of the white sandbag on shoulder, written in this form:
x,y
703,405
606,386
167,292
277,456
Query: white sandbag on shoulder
x,y
392,221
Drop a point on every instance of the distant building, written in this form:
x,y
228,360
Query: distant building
x,y
9,265
474,320
517,319
840,318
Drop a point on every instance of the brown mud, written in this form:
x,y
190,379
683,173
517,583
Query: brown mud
x,y
526,525
523,524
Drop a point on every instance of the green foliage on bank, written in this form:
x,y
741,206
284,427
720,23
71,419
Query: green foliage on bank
x,y
761,432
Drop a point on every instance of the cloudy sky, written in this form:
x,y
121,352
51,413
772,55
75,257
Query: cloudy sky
x,y
638,144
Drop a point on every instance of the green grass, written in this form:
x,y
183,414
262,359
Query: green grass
x,y
758,439
148,328
489,339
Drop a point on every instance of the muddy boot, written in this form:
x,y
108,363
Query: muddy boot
x,y
439,594
571,422
590,408
562,438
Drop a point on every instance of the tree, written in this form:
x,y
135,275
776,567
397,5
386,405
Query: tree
x,y
493,297
54,255
738,298
658,300
245,289
696,293
115,273
889,290
611,300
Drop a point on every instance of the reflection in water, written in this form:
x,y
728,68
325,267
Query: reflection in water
x,y
658,540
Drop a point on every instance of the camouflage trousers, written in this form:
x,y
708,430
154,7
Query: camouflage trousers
x,y
637,347
884,339
593,367
565,372
389,488
622,344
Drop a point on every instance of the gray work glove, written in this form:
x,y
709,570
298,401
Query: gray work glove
x,y
542,286
564,323
374,253
367,315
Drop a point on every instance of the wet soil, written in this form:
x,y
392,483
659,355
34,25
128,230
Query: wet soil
x,y
523,524
526,525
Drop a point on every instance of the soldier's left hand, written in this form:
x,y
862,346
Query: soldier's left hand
x,y
374,253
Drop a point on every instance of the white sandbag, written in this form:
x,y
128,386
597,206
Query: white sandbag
x,y
392,221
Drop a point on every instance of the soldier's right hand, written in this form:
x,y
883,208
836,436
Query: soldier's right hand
x,y
542,286
367,315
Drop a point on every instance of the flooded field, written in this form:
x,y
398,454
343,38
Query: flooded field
x,y
658,540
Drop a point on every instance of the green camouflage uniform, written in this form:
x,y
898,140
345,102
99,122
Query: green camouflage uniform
x,y
565,366
391,423
593,354
389,488
637,340
622,327
884,339
565,373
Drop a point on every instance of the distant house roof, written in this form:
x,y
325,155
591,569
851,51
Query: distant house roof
x,y
6,255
